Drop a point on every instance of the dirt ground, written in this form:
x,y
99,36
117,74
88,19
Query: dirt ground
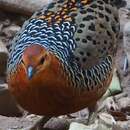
x,y
13,118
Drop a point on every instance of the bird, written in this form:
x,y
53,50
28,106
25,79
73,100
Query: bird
x,y
62,60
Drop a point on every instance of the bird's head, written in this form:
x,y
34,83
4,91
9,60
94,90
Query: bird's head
x,y
35,59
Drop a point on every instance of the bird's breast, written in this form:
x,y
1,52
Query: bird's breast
x,y
50,93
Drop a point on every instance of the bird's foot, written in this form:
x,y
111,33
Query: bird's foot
x,y
92,114
91,118
40,123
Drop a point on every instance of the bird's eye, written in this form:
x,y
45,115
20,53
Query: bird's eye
x,y
42,60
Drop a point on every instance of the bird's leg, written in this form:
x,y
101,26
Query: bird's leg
x,y
92,114
39,125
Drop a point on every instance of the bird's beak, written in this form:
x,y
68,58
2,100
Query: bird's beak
x,y
30,72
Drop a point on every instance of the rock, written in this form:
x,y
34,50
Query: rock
x,y
11,31
79,126
128,4
26,7
3,58
82,114
110,104
107,119
1,26
123,19
8,106
122,125
6,22
104,122
124,102
22,123
57,124
126,38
